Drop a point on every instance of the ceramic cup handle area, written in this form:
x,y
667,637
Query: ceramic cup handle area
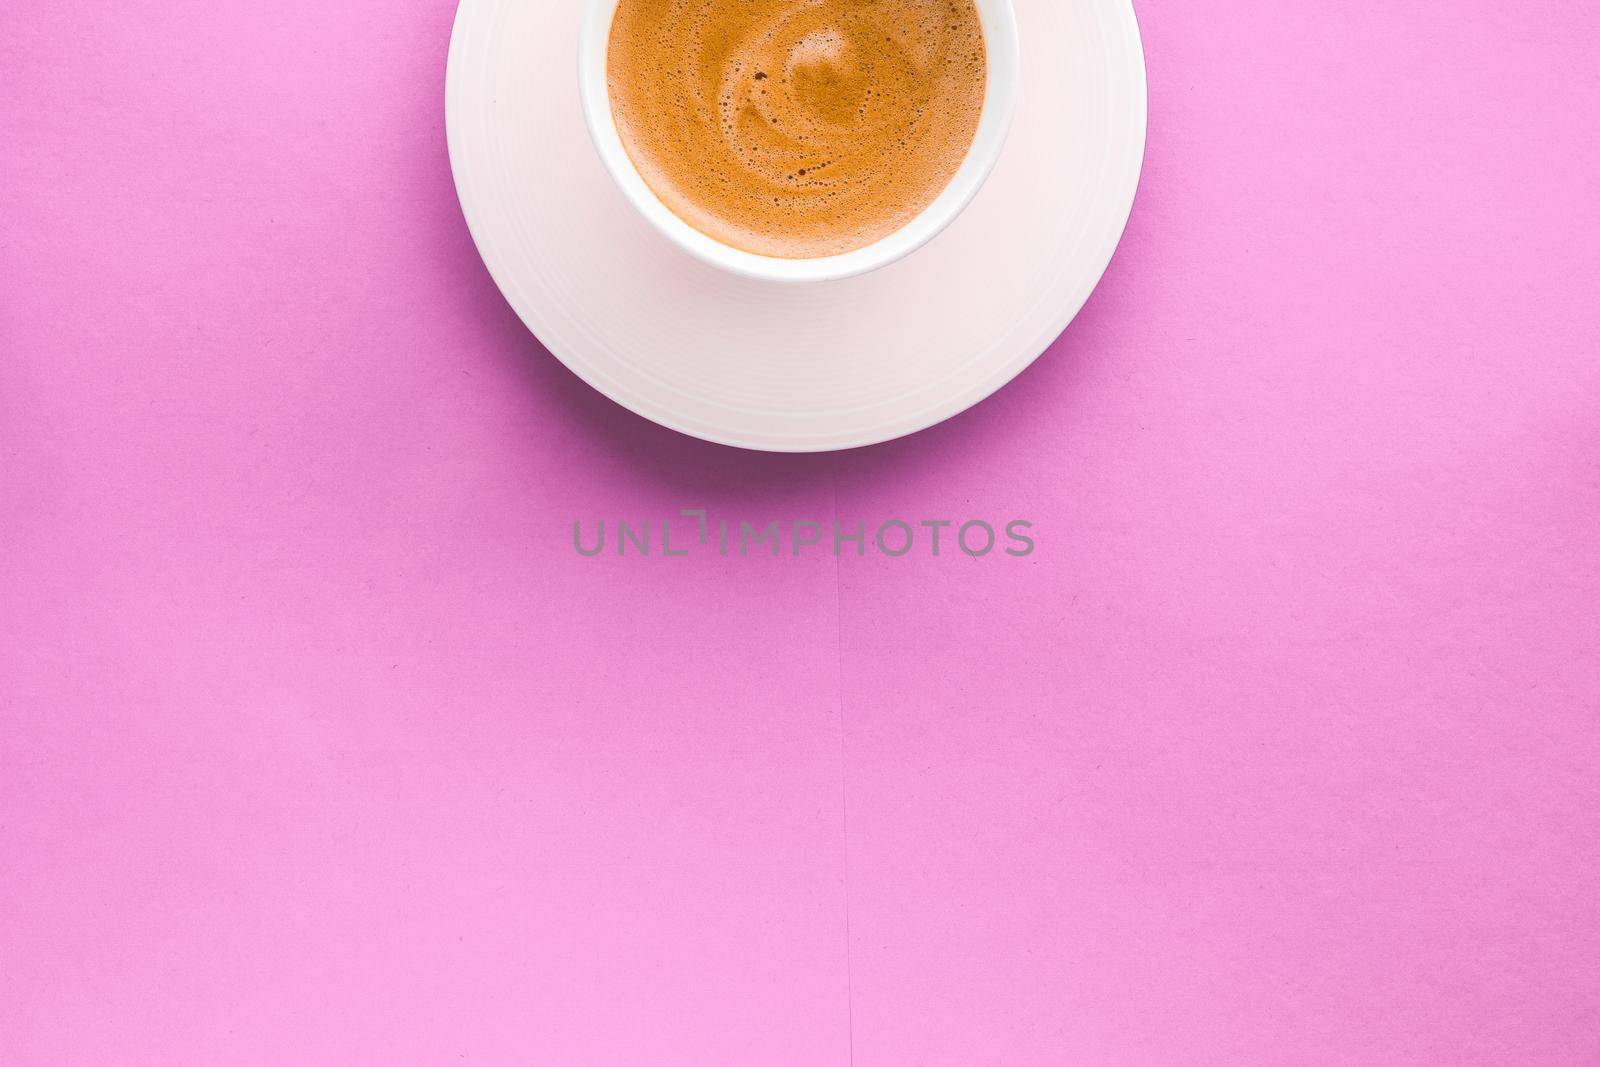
x,y
1000,39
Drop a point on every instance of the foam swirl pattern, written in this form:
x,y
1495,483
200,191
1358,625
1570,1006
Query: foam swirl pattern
x,y
797,128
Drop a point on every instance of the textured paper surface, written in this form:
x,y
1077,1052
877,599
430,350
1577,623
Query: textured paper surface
x,y
318,743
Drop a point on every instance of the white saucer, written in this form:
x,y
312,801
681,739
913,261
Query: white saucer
x,y
794,368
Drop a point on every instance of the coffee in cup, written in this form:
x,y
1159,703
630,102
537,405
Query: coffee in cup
x,y
797,129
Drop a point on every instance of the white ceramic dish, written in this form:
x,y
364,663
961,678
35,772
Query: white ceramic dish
x,y
794,368
1000,39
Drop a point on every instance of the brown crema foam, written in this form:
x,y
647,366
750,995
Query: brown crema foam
x,y
797,128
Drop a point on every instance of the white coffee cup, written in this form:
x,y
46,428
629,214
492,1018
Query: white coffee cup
x,y
1000,39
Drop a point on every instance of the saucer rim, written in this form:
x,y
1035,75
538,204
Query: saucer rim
x,y
1000,373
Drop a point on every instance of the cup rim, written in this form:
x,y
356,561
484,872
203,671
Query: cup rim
x,y
998,18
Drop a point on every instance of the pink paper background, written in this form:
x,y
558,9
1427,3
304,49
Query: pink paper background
x,y
318,744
